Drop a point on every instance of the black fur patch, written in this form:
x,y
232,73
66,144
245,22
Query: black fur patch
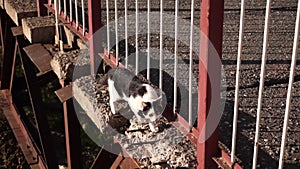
x,y
126,83
147,107
141,91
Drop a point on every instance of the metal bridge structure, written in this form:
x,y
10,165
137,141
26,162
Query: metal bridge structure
x,y
193,49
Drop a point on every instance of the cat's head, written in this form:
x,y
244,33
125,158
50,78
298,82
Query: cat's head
x,y
152,103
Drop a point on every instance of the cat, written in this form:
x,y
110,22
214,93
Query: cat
x,y
146,102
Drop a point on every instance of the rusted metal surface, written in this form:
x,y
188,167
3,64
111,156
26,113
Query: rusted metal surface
x,y
64,93
106,159
72,127
19,129
221,163
8,44
40,57
94,13
37,105
68,24
226,159
95,43
117,161
72,135
41,9
183,126
13,67
109,61
71,123
8,54
211,26
2,27
128,163
17,31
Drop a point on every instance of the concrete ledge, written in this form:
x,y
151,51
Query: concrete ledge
x,y
39,29
84,92
19,9
73,39
63,64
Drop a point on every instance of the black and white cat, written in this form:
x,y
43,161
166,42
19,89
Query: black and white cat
x,y
146,102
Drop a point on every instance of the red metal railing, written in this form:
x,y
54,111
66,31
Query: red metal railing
x,y
211,22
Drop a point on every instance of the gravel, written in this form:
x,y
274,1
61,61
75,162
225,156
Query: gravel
x,y
277,74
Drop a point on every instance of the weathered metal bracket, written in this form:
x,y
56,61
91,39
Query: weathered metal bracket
x,y
72,127
37,104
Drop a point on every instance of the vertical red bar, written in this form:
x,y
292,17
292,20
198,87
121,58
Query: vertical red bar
x,y
94,14
7,58
211,26
2,28
2,34
41,9
72,135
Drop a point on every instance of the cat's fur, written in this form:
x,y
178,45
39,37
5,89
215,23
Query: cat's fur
x,y
146,102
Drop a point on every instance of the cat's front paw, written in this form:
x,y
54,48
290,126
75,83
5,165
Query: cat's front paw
x,y
153,128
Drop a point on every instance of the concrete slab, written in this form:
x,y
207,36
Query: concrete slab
x,y
19,9
39,29
73,40
63,64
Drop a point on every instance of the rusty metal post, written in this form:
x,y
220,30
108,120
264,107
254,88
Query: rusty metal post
x,y
72,132
211,26
72,126
37,106
2,27
41,8
22,135
95,44
30,128
106,159
8,53
13,66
